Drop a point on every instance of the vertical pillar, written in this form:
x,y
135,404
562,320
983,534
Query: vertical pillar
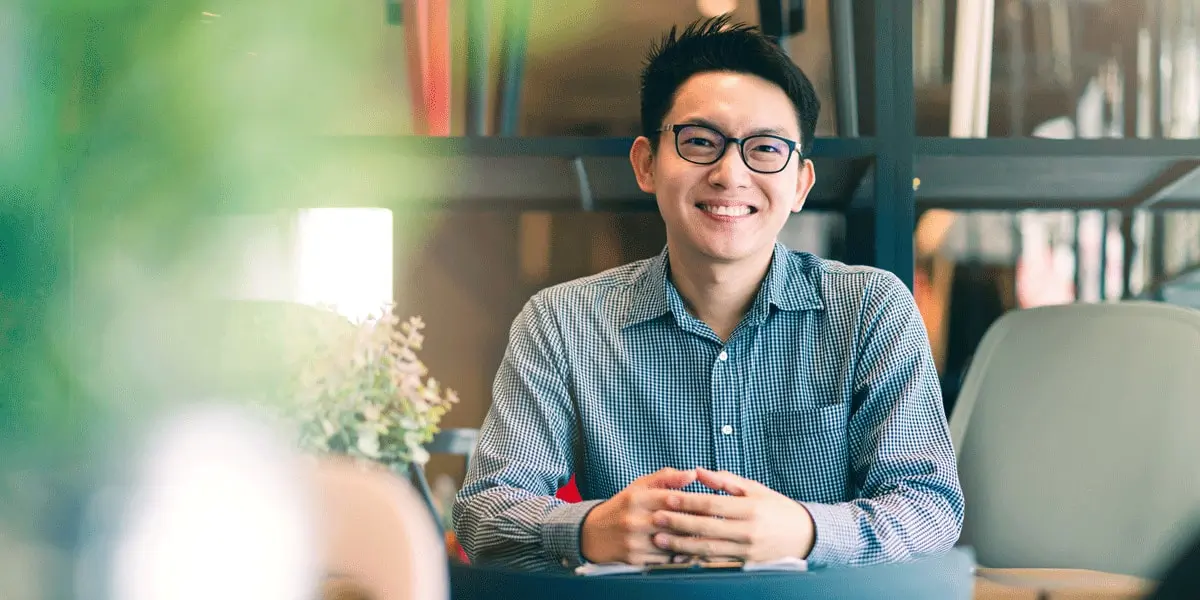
x,y
895,137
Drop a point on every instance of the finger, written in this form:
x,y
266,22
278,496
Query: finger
x,y
669,478
724,481
651,500
704,527
657,557
703,547
727,507
642,550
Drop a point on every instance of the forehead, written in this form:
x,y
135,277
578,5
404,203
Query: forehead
x,y
736,102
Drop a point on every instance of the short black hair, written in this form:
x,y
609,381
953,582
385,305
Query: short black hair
x,y
715,44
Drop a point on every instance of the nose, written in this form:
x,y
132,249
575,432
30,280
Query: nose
x,y
731,171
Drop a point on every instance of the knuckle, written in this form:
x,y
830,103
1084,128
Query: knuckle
x,y
627,522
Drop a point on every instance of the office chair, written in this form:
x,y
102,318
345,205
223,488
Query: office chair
x,y
1181,580
1076,437
455,442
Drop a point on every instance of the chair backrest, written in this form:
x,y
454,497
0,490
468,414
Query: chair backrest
x,y
454,442
457,442
379,535
1078,437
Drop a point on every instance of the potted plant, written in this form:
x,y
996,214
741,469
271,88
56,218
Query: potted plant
x,y
360,390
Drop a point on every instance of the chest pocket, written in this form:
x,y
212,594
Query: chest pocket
x,y
808,453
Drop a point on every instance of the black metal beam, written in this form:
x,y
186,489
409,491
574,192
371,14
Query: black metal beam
x,y
562,147
1158,246
895,121
1157,285
1026,203
1050,148
1165,184
1012,173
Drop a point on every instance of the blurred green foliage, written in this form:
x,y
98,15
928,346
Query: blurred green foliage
x,y
124,125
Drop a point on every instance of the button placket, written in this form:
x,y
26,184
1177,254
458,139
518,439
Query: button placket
x,y
724,413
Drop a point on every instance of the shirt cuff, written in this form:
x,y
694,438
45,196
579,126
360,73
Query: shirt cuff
x,y
836,537
561,532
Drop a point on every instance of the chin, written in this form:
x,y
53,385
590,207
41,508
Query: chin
x,y
727,254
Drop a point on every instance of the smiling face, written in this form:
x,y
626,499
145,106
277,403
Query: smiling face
x,y
724,212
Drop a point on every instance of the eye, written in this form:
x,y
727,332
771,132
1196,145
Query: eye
x,y
699,141
767,148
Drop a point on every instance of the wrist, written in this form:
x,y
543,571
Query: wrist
x,y
589,539
562,530
809,537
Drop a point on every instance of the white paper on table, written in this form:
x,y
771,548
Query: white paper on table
x,y
608,569
790,563
784,564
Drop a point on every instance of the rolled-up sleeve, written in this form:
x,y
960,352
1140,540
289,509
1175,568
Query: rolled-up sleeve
x,y
904,474
506,512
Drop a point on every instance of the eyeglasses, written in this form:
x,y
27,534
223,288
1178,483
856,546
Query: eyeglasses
x,y
703,145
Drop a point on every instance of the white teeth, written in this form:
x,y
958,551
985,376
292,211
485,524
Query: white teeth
x,y
728,211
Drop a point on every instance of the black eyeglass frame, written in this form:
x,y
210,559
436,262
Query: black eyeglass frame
x,y
793,146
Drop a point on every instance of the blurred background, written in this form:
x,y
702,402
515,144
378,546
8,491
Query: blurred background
x,y
163,162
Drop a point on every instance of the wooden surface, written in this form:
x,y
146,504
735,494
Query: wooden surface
x,y
1057,584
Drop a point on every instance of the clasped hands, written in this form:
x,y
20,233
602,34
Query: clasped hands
x,y
652,520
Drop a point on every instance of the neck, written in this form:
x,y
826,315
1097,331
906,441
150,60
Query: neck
x,y
718,294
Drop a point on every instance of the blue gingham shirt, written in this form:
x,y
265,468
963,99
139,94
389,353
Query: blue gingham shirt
x,y
826,392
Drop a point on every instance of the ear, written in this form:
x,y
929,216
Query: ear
x,y
641,156
804,183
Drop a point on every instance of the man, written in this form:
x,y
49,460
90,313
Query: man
x,y
728,398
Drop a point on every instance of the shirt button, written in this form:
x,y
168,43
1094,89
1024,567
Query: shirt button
x,y
723,355
727,429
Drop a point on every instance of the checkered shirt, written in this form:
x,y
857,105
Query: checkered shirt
x,y
826,392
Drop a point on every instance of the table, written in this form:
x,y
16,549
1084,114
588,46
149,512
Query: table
x,y
947,576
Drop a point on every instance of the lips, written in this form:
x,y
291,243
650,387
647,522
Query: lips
x,y
722,210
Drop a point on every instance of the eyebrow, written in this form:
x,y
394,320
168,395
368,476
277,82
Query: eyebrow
x,y
760,131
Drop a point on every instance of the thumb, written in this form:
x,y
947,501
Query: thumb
x,y
670,478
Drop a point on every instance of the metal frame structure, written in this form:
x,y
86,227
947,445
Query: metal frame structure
x,y
871,179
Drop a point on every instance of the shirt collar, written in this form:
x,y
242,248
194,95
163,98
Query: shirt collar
x,y
788,286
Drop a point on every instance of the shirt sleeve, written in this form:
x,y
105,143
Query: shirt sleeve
x,y
903,469
506,512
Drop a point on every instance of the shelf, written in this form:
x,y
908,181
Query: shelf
x,y
492,173
1031,173
1182,288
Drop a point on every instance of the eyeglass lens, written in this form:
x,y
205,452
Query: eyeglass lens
x,y
704,146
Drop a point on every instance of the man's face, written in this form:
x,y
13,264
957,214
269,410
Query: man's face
x,y
724,212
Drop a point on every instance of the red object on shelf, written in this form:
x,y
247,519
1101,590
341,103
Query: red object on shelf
x,y
437,86
569,492
416,37
427,33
